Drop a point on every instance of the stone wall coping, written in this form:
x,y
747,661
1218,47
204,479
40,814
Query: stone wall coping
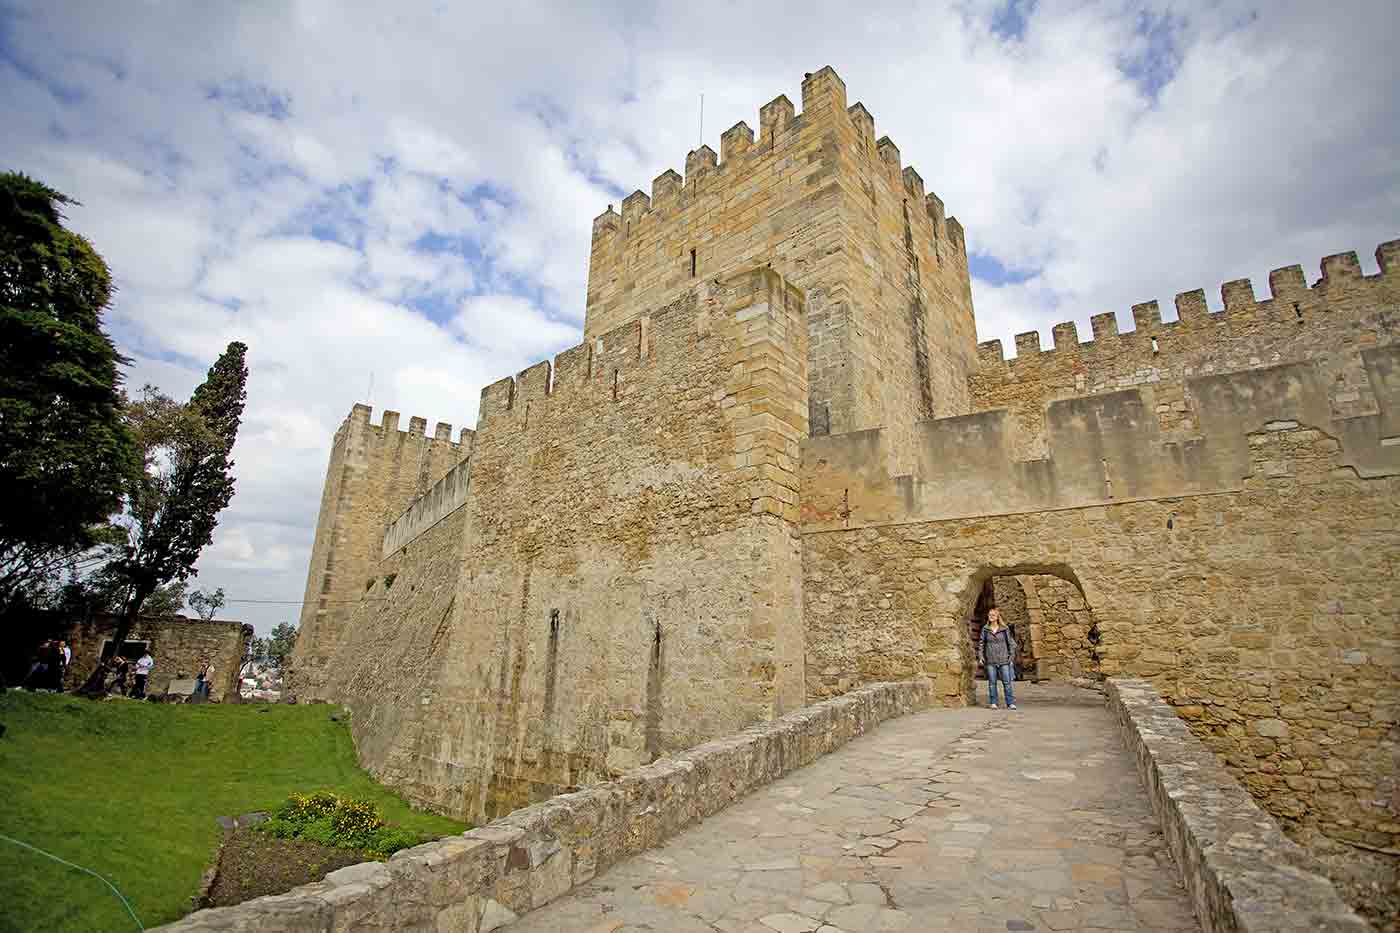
x,y
1242,872
487,877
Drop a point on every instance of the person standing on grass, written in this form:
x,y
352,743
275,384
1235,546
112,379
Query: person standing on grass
x,y
208,675
119,671
997,650
64,656
143,672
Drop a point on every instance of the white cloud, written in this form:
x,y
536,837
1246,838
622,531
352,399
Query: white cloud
x,y
405,191
512,325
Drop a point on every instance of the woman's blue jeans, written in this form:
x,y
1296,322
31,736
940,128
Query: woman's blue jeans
x,y
1007,675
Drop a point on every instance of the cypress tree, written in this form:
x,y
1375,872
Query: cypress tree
x,y
173,507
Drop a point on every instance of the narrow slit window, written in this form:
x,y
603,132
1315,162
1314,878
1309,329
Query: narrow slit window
x,y
617,381
1155,348
692,264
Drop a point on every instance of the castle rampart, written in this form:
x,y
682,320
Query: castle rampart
x,y
1265,614
819,199
628,508
1236,555
779,467
1343,313
445,497
375,471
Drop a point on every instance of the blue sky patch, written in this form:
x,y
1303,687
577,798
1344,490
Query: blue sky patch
x,y
1154,67
989,269
1009,22
251,97
11,55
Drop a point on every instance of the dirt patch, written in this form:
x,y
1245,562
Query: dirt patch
x,y
253,864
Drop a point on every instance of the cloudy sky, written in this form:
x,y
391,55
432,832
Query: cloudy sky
x,y
391,201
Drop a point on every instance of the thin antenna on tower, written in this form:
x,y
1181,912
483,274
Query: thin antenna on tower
x,y
702,119
369,393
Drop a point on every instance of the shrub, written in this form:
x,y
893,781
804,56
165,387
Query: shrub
x,y
343,823
306,807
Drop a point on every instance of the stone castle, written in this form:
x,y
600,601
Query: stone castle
x,y
780,467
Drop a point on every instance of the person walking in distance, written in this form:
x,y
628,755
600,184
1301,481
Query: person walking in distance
x,y
143,672
997,649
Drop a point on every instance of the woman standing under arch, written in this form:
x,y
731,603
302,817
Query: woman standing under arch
x,y
997,649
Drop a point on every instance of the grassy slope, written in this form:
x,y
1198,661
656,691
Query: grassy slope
x,y
130,790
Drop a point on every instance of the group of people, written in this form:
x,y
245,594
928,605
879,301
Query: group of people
x,y
50,666
119,668
204,680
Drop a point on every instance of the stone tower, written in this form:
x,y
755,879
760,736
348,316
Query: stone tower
x,y
891,337
374,473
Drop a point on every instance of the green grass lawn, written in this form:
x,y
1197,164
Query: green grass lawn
x,y
130,790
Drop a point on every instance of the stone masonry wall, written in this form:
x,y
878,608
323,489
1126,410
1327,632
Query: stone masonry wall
x,y
1243,874
1267,615
1331,324
1295,606
623,579
177,644
1062,628
819,199
489,876
375,471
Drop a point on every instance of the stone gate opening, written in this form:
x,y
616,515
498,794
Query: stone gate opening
x,y
1056,633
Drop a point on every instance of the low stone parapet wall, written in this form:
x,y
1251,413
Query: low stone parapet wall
x,y
1242,872
485,878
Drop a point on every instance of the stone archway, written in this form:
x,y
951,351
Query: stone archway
x,y
1008,595
1046,607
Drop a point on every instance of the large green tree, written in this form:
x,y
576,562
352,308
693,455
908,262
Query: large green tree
x,y
65,452
173,507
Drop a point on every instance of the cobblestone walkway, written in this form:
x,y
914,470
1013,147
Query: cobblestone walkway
x,y
966,820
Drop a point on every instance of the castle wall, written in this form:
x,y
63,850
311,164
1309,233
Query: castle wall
x,y
445,497
1343,313
1267,616
1061,626
1243,560
623,577
375,471
820,200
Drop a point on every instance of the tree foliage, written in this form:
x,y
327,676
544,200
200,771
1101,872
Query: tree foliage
x,y
280,643
207,605
65,452
275,649
172,507
167,600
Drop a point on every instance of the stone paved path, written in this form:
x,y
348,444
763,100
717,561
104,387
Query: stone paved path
x,y
966,820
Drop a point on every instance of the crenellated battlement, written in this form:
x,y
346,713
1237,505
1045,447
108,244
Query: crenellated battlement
x,y
388,427
1291,304
741,159
829,203
615,365
1104,448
